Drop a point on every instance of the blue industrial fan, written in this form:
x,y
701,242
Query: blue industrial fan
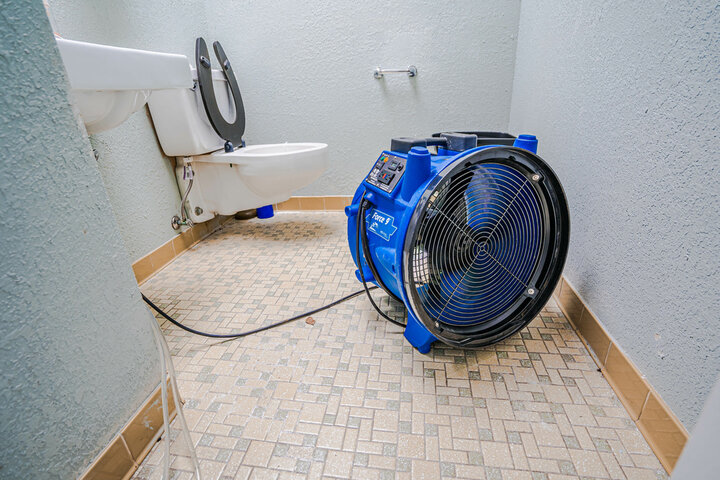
x,y
471,239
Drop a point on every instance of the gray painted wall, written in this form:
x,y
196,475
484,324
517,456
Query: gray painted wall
x,y
625,101
76,352
140,183
305,71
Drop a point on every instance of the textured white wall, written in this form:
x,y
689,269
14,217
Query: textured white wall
x,y
137,176
77,356
625,101
305,71
140,183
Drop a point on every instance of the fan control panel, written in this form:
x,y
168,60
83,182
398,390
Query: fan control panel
x,y
387,172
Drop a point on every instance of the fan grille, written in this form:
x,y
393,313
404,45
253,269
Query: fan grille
x,y
478,245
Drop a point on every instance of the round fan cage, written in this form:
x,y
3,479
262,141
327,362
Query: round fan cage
x,y
486,246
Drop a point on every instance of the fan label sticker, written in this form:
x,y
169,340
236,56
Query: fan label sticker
x,y
382,225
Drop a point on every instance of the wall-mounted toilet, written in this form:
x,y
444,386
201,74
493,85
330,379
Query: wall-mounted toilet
x,y
217,174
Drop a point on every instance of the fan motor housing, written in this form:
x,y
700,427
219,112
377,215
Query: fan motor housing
x,y
472,239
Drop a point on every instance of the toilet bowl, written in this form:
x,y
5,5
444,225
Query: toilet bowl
x,y
250,177
217,174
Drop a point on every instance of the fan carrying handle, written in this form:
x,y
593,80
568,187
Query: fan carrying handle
x,y
457,142
230,131
405,144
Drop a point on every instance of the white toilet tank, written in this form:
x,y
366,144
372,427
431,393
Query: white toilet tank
x,y
180,120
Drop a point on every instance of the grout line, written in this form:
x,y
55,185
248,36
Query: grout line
x,y
120,437
172,245
127,449
589,348
642,409
607,354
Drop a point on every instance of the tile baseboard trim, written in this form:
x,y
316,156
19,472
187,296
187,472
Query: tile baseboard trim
x,y
328,203
153,262
661,428
126,451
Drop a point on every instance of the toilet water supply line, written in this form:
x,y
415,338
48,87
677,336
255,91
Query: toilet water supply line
x,y
188,175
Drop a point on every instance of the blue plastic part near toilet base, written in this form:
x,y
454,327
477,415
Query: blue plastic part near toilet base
x,y
265,212
418,336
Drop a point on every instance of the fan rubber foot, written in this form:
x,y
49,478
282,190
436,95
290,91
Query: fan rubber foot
x,y
418,336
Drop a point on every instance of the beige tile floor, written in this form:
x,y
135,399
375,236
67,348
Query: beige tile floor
x,y
348,397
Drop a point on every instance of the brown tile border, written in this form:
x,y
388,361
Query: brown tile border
x,y
329,203
662,429
151,263
127,449
658,424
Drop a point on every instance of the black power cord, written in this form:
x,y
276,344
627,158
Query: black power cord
x,y
366,251
361,226
362,230
250,332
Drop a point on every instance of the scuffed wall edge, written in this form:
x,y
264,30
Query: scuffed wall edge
x,y
126,451
658,424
